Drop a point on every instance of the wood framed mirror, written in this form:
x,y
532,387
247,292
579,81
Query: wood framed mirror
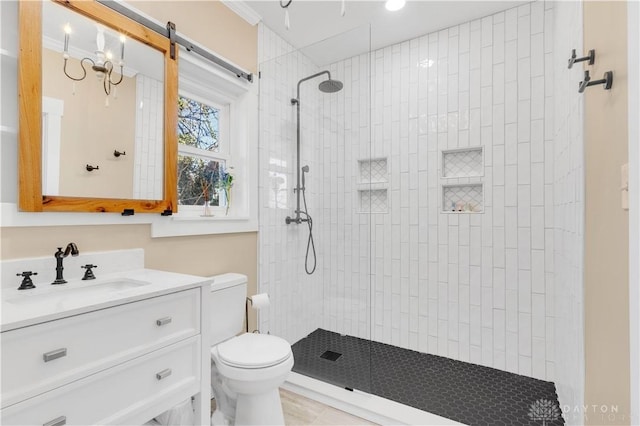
x,y
81,172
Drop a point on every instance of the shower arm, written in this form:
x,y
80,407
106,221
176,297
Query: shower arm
x,y
297,99
297,219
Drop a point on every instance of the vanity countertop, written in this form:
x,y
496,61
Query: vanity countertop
x,y
22,308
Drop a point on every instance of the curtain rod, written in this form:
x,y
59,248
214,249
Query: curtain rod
x,y
169,32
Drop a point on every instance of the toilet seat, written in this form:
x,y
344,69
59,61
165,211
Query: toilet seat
x,y
253,351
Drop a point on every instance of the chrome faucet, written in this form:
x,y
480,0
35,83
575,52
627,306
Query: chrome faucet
x,y
60,255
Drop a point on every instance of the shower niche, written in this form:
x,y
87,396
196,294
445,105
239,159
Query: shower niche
x,y
373,178
461,171
462,163
462,198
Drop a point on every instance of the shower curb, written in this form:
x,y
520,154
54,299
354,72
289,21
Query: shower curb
x,y
370,407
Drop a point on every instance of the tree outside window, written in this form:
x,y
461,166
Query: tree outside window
x,y
199,168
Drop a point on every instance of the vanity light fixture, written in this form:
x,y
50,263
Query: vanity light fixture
x,y
393,5
103,64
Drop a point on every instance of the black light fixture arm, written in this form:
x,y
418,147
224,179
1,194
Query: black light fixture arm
x,y
84,70
107,78
106,69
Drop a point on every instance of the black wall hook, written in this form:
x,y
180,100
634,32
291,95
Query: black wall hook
x,y
117,153
91,168
607,81
591,57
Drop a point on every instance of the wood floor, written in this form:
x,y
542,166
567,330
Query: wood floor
x,y
299,410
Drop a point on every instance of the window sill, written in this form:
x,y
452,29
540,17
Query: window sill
x,y
213,218
200,225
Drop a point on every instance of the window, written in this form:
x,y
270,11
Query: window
x,y
202,157
217,134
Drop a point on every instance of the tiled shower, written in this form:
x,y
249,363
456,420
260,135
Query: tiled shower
x,y
435,191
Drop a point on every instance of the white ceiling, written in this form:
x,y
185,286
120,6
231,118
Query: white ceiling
x,y
367,24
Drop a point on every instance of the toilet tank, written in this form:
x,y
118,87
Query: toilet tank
x,y
227,306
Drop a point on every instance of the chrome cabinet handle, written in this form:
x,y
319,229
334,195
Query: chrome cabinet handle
x,y
58,353
163,374
62,420
163,321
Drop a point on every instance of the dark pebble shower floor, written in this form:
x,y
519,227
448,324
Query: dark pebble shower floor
x,y
464,392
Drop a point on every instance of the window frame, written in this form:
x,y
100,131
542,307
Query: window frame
x,y
204,83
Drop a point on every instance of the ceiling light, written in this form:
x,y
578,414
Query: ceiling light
x,y
393,5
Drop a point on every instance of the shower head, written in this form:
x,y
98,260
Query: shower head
x,y
330,86
305,169
327,86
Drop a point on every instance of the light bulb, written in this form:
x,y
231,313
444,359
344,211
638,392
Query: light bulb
x,y
122,39
109,55
67,31
393,5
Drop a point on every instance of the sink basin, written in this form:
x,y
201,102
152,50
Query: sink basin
x,y
78,291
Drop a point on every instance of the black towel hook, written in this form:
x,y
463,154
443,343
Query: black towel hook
x,y
606,80
573,59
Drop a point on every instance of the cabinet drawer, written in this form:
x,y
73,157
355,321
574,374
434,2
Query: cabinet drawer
x,y
41,357
130,393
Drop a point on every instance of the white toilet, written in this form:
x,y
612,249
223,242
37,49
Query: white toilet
x,y
246,370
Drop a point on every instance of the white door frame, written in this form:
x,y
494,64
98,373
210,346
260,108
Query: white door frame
x,y
633,22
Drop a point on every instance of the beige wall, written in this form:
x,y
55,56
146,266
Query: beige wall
x,y
202,255
211,24
89,134
216,27
606,224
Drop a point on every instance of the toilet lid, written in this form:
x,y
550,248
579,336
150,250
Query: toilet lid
x,y
253,350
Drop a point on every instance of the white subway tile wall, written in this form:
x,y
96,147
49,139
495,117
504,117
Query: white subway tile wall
x,y
477,287
564,138
148,171
296,298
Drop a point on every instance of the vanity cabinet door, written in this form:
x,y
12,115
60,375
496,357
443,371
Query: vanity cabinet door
x,y
130,393
39,358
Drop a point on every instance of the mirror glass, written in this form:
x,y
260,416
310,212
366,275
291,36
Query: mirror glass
x,y
102,110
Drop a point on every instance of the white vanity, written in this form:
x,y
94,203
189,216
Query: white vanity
x,y
120,349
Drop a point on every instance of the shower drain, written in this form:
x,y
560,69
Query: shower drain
x,y
330,355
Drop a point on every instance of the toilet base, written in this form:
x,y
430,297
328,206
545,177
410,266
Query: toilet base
x,y
260,409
